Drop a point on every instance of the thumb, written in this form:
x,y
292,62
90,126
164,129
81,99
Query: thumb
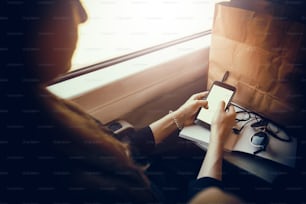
x,y
221,106
202,103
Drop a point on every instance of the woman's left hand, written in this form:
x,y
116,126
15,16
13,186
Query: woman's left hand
x,y
187,112
183,116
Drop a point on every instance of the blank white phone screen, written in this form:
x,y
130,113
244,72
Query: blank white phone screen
x,y
215,96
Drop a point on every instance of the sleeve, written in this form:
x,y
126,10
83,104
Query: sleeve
x,y
198,185
141,143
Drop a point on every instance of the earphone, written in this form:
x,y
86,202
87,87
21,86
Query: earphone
x,y
261,140
264,128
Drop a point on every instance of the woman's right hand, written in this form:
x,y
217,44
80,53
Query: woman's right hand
x,y
222,124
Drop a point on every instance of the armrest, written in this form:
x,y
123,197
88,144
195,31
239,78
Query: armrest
x,y
120,127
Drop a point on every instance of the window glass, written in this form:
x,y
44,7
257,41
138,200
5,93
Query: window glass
x,y
115,28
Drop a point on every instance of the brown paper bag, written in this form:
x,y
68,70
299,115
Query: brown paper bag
x,y
265,55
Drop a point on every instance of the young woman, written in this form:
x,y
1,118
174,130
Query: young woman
x,y
51,150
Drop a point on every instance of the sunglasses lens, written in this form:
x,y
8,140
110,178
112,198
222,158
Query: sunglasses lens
x,y
243,116
272,128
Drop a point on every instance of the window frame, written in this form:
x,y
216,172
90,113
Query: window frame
x,y
132,55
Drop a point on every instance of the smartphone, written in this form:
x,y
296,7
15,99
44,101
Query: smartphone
x,y
218,92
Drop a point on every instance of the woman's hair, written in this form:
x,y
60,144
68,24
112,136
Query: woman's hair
x,y
22,21
93,139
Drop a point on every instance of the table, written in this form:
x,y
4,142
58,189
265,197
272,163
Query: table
x,y
278,157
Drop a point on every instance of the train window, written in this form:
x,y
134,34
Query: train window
x,y
116,28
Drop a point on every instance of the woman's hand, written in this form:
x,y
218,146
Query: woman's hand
x,y
183,116
222,123
187,112
221,127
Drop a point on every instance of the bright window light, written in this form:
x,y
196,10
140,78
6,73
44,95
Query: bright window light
x,y
115,28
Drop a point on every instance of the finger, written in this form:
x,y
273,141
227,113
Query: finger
x,y
200,95
231,110
232,114
202,103
221,106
